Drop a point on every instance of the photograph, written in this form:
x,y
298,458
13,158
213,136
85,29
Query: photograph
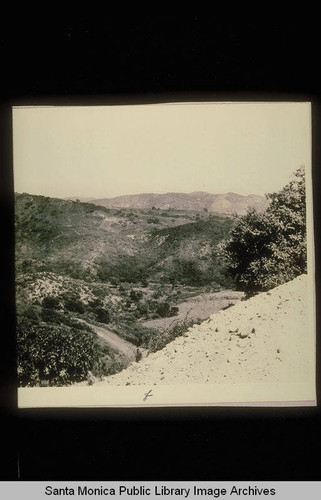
x,y
164,255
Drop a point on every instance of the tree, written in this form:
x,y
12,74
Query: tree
x,y
269,249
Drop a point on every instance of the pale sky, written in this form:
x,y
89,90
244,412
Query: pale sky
x,y
107,151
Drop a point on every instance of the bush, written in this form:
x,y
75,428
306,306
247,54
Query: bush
x,y
26,266
163,309
157,341
53,355
138,356
29,311
269,249
50,302
102,315
73,304
135,295
51,316
187,272
142,308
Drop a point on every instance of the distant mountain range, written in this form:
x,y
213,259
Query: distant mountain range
x,y
216,203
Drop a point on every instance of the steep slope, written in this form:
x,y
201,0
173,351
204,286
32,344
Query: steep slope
x,y
262,339
217,203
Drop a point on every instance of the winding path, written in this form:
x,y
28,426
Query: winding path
x,y
114,341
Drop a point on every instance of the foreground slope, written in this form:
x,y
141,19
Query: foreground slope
x,y
265,338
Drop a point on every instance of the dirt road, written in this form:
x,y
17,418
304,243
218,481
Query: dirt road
x,y
114,341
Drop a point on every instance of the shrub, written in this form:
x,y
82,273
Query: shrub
x,y
136,295
187,272
50,302
174,311
266,250
138,356
95,304
142,308
26,266
138,334
51,316
102,315
73,304
29,311
53,355
158,340
164,310
98,292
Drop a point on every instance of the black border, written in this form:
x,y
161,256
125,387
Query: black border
x,y
161,66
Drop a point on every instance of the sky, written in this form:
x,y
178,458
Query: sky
x,y
108,151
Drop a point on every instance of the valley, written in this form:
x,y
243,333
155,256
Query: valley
x,y
131,279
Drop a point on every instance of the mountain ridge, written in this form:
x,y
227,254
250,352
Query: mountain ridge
x,y
226,203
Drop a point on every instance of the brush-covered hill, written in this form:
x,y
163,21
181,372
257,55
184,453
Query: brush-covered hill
x,y
86,241
228,203
91,275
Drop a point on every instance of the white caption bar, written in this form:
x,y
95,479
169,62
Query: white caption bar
x,y
283,490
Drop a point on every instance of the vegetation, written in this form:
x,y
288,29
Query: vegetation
x,y
53,355
157,342
80,264
93,243
56,349
269,249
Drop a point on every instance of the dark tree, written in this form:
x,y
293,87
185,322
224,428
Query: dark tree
x,y
269,249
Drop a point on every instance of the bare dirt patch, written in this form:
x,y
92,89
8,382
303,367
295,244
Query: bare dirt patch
x,y
200,307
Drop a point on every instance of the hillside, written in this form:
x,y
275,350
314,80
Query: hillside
x,y
228,203
100,275
86,241
263,339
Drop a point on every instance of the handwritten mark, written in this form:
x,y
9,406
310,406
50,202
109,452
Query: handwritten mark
x,y
148,395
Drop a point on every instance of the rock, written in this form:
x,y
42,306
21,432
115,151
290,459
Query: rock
x,y
243,335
